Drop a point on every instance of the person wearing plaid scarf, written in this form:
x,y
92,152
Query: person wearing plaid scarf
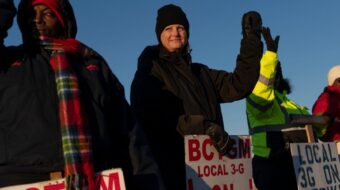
x,y
62,109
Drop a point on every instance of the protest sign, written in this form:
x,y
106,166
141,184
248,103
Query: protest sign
x,y
316,166
109,180
206,169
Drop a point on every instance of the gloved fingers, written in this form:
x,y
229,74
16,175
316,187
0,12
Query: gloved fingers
x,y
277,39
253,19
219,138
247,26
224,144
272,44
251,24
214,131
266,34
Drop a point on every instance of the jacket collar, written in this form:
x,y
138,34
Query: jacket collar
x,y
174,57
332,89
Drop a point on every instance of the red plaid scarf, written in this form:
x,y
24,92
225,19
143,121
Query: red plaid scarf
x,y
76,138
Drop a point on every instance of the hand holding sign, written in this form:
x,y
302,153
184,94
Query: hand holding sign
x,y
219,138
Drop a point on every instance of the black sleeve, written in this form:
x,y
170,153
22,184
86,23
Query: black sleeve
x,y
7,13
141,171
147,101
236,85
192,125
155,106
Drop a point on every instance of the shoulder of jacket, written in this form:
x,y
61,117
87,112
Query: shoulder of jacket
x,y
13,54
332,89
199,66
15,50
148,57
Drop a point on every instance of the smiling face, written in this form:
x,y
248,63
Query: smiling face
x,y
174,37
44,22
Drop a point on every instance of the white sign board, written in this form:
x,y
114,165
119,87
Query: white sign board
x,y
316,166
109,180
206,169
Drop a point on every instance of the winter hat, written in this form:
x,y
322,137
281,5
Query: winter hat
x,y
54,6
168,15
333,74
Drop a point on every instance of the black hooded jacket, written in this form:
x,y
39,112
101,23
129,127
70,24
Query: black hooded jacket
x,y
172,97
30,135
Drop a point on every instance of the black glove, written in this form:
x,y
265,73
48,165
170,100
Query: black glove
x,y
251,24
219,138
272,45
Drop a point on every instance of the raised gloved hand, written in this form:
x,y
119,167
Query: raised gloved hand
x,y
251,24
272,45
219,138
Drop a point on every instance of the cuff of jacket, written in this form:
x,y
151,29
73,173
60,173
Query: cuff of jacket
x,y
268,64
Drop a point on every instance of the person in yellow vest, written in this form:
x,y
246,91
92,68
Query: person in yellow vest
x,y
271,116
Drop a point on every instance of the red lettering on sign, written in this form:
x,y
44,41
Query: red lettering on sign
x,y
113,179
220,170
223,187
240,149
194,152
244,148
59,186
231,187
250,184
216,187
224,170
213,170
190,185
206,171
199,171
207,156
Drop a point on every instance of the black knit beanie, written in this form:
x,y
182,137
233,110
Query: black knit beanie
x,y
168,15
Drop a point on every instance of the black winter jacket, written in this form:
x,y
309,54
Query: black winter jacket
x,y
30,135
172,97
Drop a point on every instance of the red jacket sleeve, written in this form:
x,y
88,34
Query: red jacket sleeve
x,y
321,106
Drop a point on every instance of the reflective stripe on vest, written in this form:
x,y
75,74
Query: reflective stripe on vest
x,y
264,80
258,106
272,128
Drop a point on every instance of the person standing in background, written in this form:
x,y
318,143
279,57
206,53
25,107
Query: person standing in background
x,y
274,121
328,104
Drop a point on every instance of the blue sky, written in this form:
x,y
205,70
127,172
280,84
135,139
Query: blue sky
x,y
309,43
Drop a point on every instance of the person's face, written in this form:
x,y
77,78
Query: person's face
x,y
45,22
337,82
174,37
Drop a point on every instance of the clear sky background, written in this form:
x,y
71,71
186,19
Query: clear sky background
x,y
309,44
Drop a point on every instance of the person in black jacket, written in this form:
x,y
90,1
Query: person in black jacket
x,y
62,109
173,97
